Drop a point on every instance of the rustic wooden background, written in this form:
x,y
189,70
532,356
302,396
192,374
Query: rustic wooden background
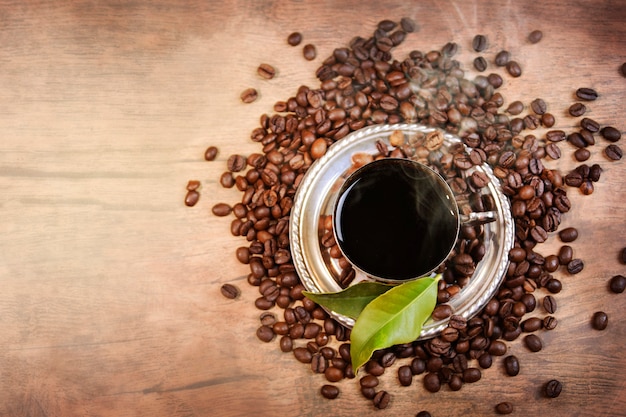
x,y
109,298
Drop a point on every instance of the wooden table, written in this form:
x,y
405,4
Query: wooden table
x,y
110,302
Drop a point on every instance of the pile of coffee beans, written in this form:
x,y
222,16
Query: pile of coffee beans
x,y
362,84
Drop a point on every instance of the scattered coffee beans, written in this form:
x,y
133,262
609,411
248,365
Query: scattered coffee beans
x,y
480,64
535,36
502,58
309,52
329,391
504,408
533,343
192,197
623,69
587,94
266,71
617,284
569,234
249,95
211,153
230,291
553,388
294,39
613,152
511,365
600,320
423,414
610,133
514,69
577,109
623,256
479,43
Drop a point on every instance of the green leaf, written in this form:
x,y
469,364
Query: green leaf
x,y
393,318
351,301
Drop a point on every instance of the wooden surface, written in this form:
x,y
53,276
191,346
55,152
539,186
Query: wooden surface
x,y
110,302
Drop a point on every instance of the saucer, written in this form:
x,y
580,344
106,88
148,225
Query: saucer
x,y
315,199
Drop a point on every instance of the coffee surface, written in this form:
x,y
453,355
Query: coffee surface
x,y
395,220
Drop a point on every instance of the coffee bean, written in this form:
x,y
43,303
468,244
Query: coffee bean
x,y
405,375
554,286
577,109
590,125
600,320
533,342
265,333
236,163
617,284
582,154
535,36
550,322
515,108
229,291
553,388
623,256
610,133
613,152
556,135
576,139
538,106
504,408
623,69
329,391
587,94
480,63
211,153
221,209
568,234
514,69
309,52
333,374
549,304
249,95
381,399
266,71
432,382
532,324
495,80
441,312
294,39
502,58
408,25
471,375
423,414
548,120
511,365
192,197
479,43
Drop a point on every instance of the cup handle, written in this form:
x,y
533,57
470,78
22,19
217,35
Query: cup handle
x,y
478,217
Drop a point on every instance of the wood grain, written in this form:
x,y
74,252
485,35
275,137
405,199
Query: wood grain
x,y
110,300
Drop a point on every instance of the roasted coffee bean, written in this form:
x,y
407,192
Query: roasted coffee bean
x,y
265,333
369,381
471,375
211,153
479,43
553,388
515,108
408,25
286,344
623,69
405,375
249,95
432,382
556,135
590,124
442,311
480,63
576,139
333,374
381,399
511,365
502,58
329,391
221,209
514,68
600,320
548,120
266,71
230,291
577,109
192,197
227,180
568,234
532,324
575,266
623,256
535,36
236,163
613,152
554,286
617,284
418,366
610,133
587,94
533,342
423,414
303,355
550,322
294,39
504,408
538,106
497,348
549,304
309,52
582,154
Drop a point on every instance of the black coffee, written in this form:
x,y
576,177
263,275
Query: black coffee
x,y
395,219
